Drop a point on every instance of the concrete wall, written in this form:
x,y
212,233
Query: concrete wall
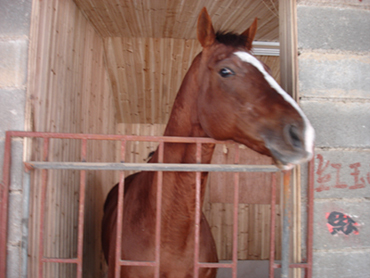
x,y
14,41
334,85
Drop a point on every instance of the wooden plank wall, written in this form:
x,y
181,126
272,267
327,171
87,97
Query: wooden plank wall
x,y
146,74
68,91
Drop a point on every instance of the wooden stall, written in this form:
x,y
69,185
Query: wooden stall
x,y
114,66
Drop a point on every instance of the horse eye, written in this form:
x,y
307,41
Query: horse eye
x,y
225,72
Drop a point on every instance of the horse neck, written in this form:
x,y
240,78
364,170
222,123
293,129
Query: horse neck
x,y
179,187
184,121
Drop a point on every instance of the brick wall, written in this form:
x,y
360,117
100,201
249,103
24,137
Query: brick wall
x,y
14,41
334,85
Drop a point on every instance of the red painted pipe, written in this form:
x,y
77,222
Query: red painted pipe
x,y
272,226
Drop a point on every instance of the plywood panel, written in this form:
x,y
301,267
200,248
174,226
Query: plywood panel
x,y
255,188
68,91
253,230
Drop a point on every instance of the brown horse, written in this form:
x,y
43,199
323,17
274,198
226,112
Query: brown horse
x,y
227,94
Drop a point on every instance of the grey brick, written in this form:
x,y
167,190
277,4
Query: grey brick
x,y
12,107
333,28
13,62
334,75
15,217
341,264
15,17
339,124
358,210
342,174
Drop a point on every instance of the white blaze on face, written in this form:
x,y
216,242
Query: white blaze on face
x,y
309,131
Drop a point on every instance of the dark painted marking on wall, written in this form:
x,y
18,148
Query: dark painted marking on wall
x,y
340,222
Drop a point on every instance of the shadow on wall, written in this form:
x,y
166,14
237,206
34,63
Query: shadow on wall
x,y
253,269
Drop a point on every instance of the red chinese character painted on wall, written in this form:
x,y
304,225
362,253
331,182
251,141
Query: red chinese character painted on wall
x,y
324,178
338,183
359,182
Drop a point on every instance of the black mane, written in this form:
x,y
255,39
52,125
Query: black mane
x,y
231,39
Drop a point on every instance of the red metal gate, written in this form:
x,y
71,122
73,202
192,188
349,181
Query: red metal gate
x,y
160,167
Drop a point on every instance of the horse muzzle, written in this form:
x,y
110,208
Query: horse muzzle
x,y
295,146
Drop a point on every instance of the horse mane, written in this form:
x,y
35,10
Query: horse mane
x,y
231,39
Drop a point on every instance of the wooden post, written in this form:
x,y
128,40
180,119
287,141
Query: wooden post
x,y
289,82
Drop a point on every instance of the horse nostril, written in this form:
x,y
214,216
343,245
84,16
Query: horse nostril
x,y
293,136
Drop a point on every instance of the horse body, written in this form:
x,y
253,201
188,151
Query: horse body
x,y
226,96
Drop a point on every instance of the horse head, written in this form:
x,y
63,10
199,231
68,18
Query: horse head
x,y
239,100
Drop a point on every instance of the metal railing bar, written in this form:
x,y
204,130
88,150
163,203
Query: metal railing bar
x,y
295,265
137,263
198,156
230,265
287,223
26,215
121,190
42,206
158,219
153,263
4,202
177,167
235,216
272,226
81,211
116,137
216,265
310,212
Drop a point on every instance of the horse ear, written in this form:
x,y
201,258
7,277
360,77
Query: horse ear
x,y
206,34
250,33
